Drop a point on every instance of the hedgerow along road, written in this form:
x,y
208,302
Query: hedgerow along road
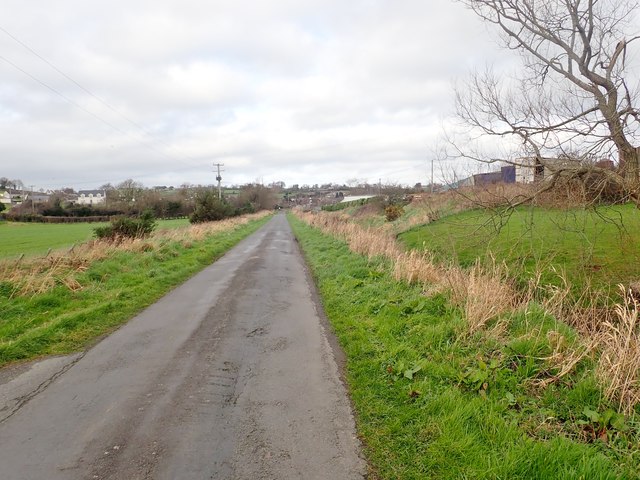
x,y
232,375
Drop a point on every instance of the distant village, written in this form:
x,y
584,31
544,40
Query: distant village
x,y
130,196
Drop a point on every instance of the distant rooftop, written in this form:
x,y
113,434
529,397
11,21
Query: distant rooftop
x,y
356,197
90,192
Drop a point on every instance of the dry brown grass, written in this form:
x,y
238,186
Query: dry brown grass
x,y
37,275
417,267
619,365
611,332
565,356
483,293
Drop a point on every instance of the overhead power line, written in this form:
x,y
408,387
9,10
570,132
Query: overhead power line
x,y
127,118
90,93
62,95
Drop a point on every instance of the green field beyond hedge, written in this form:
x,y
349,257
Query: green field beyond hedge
x,y
37,238
601,246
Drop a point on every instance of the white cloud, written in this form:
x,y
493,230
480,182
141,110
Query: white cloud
x,y
307,91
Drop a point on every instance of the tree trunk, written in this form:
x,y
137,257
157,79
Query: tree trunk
x,y
630,165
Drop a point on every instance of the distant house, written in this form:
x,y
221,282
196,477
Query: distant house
x,y
37,197
92,197
529,170
11,197
70,197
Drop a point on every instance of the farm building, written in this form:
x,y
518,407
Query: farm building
x,y
506,174
533,169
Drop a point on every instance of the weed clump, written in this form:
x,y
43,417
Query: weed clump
x,y
393,212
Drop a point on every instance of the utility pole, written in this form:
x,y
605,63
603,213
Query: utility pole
x,y
33,207
431,174
219,179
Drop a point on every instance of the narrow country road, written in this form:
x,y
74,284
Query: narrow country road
x,y
230,376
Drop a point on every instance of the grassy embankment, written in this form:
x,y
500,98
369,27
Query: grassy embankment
x,y
436,399
37,238
61,303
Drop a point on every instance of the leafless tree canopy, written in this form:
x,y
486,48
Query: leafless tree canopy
x,y
571,99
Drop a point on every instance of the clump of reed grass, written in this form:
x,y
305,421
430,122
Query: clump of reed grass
x,y
619,365
417,267
482,293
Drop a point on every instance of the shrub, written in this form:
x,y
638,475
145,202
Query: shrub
x,y
127,227
245,209
393,212
209,208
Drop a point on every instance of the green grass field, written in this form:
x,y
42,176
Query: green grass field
x,y
600,247
37,238
435,403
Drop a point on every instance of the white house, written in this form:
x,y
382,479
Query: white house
x,y
11,197
92,197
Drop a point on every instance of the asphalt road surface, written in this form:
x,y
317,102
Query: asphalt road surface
x,y
230,376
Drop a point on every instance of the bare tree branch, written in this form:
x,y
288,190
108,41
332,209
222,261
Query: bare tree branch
x,y
575,97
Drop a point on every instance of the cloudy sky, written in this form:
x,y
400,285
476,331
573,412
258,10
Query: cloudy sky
x,y
300,91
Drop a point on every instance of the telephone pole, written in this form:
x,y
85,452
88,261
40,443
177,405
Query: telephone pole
x,y
219,179
431,174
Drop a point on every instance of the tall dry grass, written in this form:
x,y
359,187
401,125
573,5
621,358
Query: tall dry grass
x,y
37,275
619,364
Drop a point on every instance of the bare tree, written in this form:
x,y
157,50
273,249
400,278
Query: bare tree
x,y
259,196
571,100
129,189
17,184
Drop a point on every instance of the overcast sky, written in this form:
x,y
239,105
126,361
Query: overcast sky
x,y
300,91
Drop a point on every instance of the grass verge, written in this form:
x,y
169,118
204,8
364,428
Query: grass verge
x,y
433,401
92,298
